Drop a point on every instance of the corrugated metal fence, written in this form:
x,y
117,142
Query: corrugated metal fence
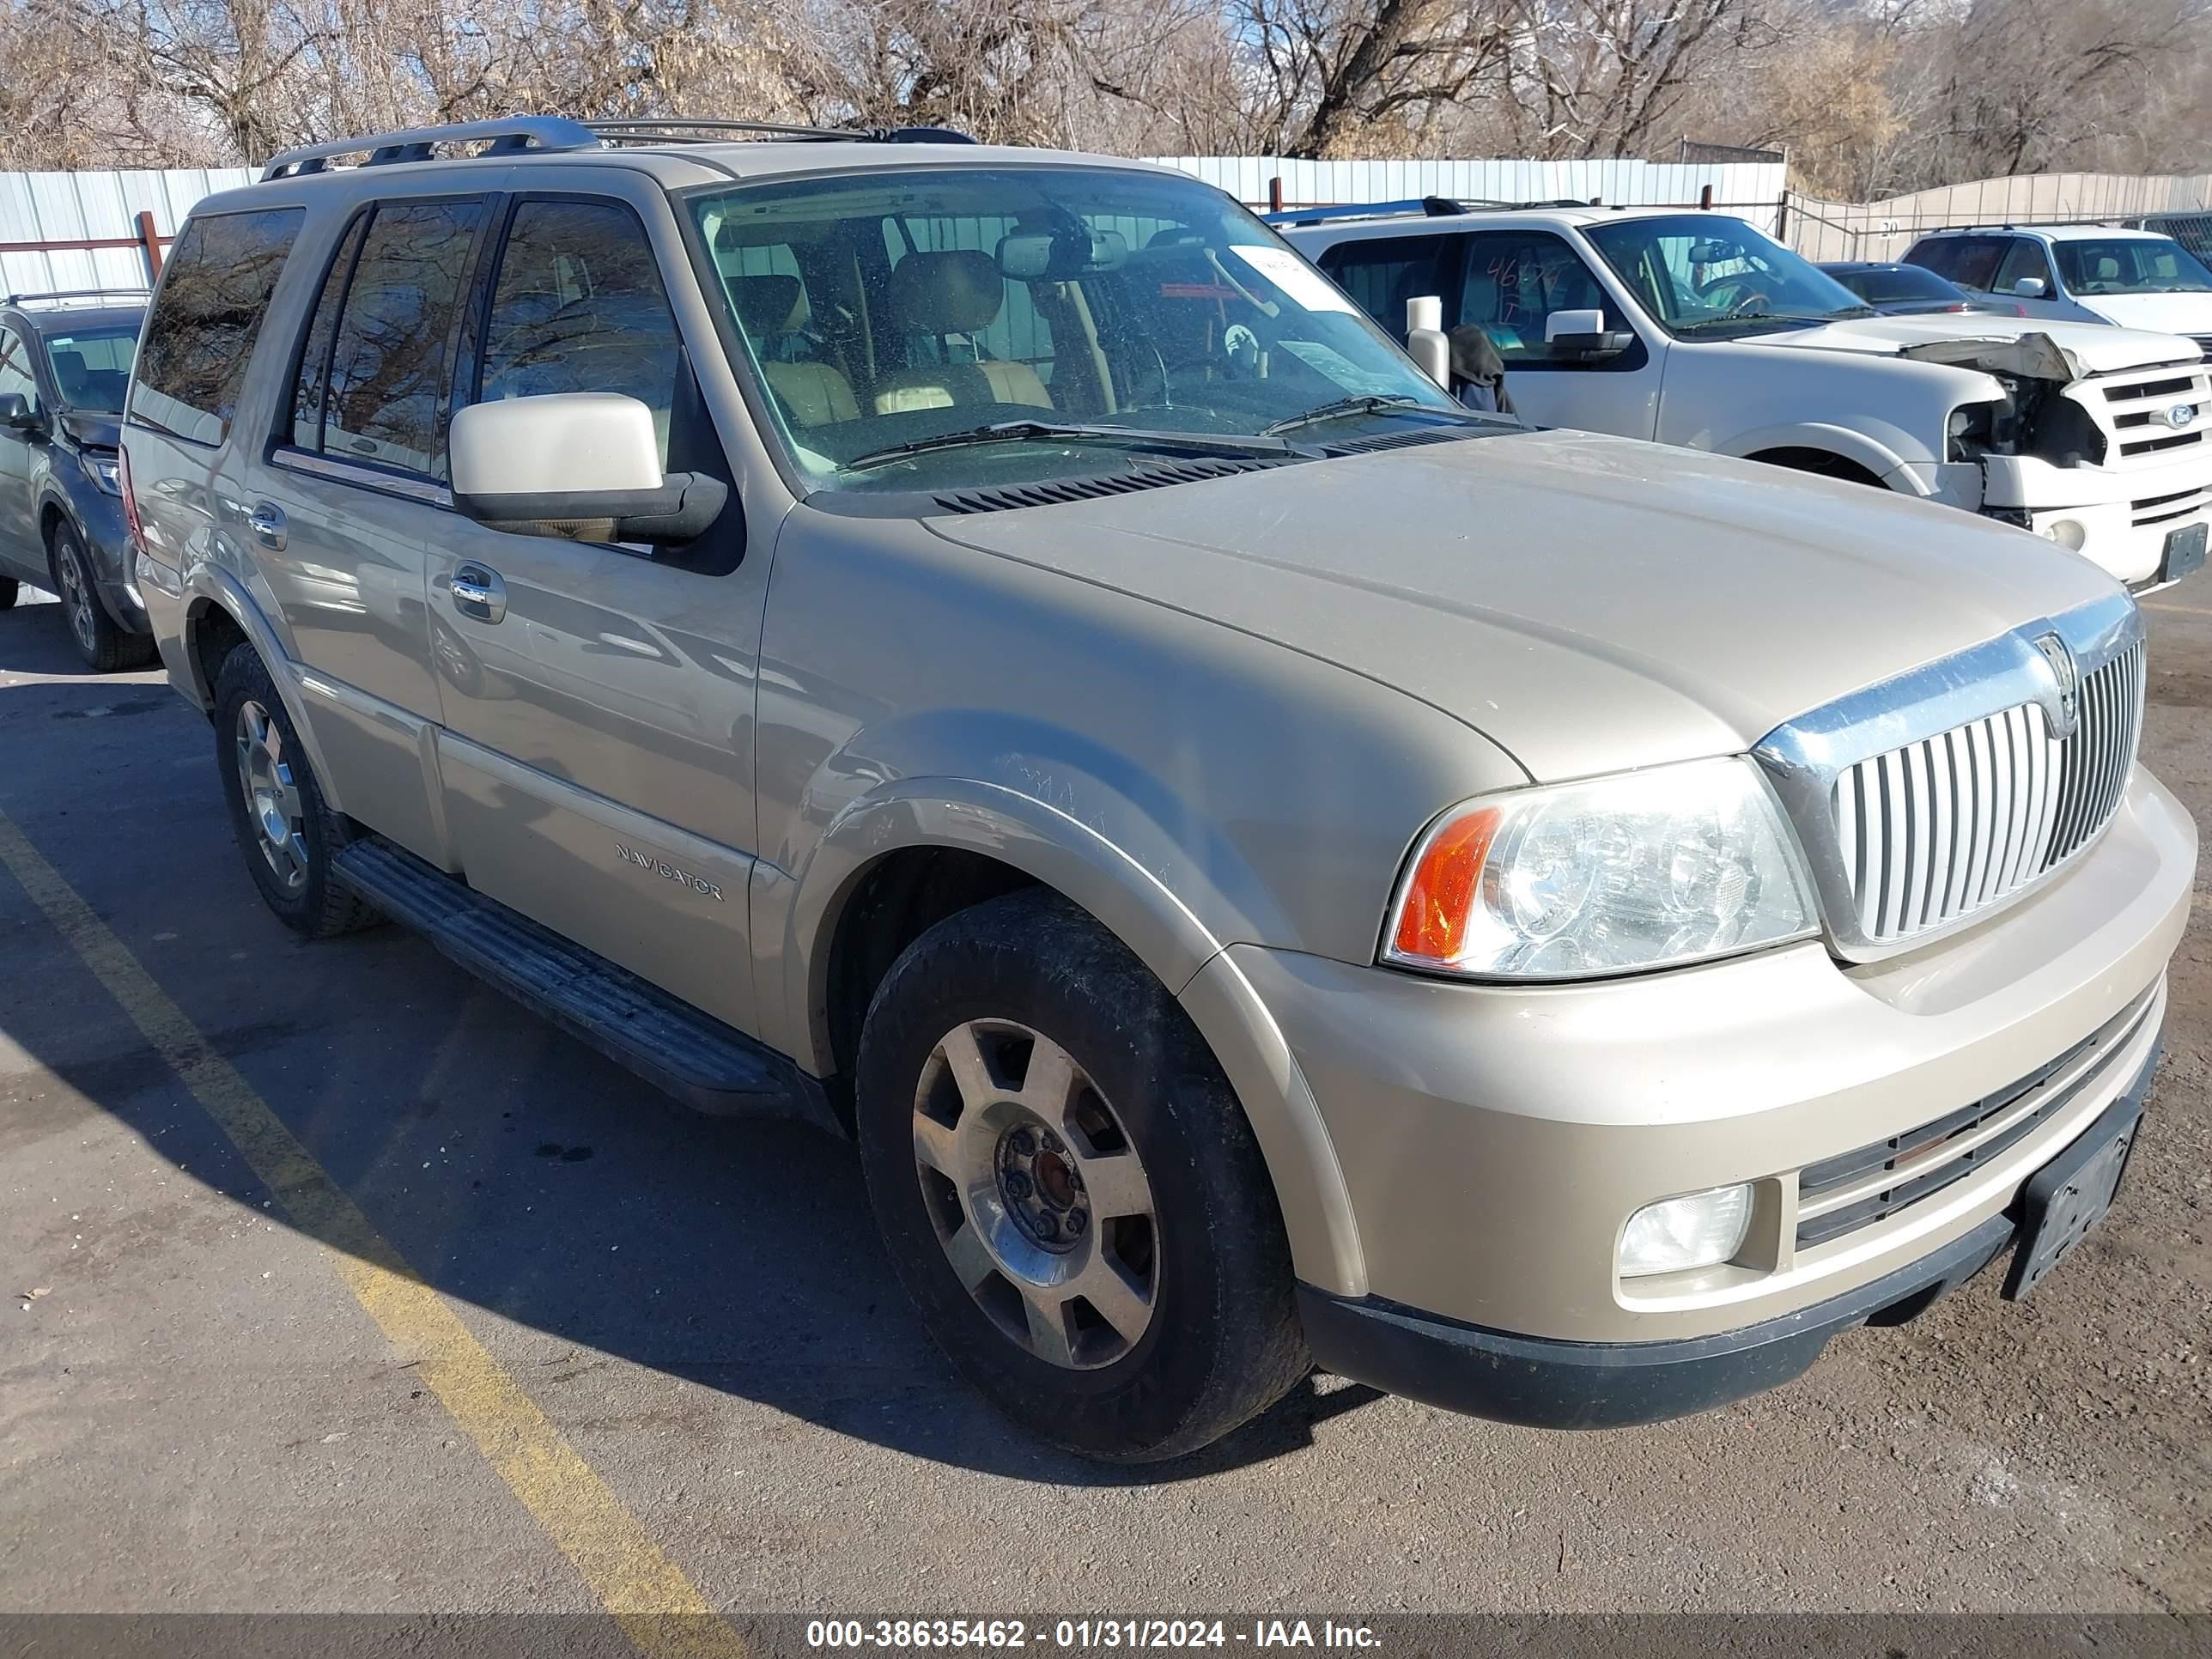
x,y
98,212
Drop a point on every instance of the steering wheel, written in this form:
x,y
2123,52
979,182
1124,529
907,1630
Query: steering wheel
x,y
1746,294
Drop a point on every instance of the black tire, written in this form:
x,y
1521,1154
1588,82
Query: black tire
x,y
1222,1342
8,588
106,646
316,904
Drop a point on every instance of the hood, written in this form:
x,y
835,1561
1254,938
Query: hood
x,y
1587,602
2099,350
92,429
2168,313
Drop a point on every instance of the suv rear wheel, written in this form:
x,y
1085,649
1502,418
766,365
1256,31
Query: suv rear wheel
x,y
284,827
1069,1189
105,648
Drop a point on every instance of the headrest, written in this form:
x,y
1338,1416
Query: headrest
x,y
68,366
2108,269
771,305
957,292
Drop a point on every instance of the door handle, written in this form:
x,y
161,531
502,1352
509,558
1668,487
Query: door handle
x,y
478,594
266,521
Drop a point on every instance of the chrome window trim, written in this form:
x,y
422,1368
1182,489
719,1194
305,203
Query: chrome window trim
x,y
1803,757
408,486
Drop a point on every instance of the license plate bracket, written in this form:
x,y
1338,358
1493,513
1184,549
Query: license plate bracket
x,y
2071,1195
2184,551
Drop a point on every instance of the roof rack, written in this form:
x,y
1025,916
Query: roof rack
x,y
685,130
508,136
1434,207
59,294
514,135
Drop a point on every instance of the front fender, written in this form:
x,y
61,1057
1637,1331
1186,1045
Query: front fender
x,y
208,590
1887,453
795,919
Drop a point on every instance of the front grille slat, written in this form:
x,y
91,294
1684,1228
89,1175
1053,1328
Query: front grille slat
x,y
1871,1183
1935,830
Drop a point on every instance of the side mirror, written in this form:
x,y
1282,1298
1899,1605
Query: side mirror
x,y
1583,336
2030,288
576,466
1424,338
17,414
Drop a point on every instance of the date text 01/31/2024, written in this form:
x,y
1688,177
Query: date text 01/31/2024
x,y
1084,1635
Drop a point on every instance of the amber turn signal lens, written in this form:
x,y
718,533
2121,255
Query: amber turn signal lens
x,y
1439,897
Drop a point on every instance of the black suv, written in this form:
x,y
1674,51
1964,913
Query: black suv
x,y
65,364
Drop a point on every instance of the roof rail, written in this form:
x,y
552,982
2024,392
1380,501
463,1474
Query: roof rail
x,y
509,135
1434,207
75,294
685,130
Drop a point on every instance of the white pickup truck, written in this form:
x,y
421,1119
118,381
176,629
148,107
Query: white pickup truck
x,y
1694,328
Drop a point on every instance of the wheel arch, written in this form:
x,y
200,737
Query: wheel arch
x,y
1880,458
219,615
922,849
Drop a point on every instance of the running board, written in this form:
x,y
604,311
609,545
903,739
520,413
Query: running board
x,y
705,1064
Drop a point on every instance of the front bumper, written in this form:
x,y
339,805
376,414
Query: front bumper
x,y
2122,517
1602,1385
1493,1141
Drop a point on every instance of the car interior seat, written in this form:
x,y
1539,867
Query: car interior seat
x,y
774,311
939,302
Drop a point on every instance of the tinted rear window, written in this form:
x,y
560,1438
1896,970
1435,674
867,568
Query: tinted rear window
x,y
1887,284
200,337
1382,273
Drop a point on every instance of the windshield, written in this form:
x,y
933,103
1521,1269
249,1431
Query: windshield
x,y
896,319
1706,276
92,366
2131,264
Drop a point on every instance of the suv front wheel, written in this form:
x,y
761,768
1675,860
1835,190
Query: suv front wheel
x,y
105,647
1068,1188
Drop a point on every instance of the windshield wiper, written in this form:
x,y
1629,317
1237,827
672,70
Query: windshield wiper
x,y
1132,437
1793,318
1371,403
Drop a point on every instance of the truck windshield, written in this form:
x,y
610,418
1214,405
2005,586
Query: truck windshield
x,y
2131,264
1702,275
927,328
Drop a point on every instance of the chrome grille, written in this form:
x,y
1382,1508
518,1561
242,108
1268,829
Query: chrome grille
x,y
1935,796
1938,829
2132,409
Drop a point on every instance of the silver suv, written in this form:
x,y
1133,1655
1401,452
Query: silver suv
x,y
990,652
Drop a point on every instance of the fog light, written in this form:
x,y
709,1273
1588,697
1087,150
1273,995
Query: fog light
x,y
2067,533
1681,1233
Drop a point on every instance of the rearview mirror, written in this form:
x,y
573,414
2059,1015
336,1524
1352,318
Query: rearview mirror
x,y
576,466
1058,256
2030,288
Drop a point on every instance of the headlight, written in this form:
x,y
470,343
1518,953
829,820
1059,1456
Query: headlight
x,y
1698,1231
1642,870
101,470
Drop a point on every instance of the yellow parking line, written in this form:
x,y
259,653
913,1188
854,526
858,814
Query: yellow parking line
x,y
658,1609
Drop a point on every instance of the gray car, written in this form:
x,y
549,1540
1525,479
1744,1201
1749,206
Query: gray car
x,y
990,651
65,364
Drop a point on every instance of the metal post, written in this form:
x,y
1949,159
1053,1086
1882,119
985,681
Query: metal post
x,y
151,239
1275,194
1782,219
1705,199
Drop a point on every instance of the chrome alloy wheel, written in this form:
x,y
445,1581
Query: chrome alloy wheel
x,y
272,799
1036,1194
77,595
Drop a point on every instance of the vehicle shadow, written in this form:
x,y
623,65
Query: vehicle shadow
x,y
516,1171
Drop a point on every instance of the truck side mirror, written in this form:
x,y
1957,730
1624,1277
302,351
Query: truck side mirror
x,y
580,465
17,414
2030,288
1583,336
1424,338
